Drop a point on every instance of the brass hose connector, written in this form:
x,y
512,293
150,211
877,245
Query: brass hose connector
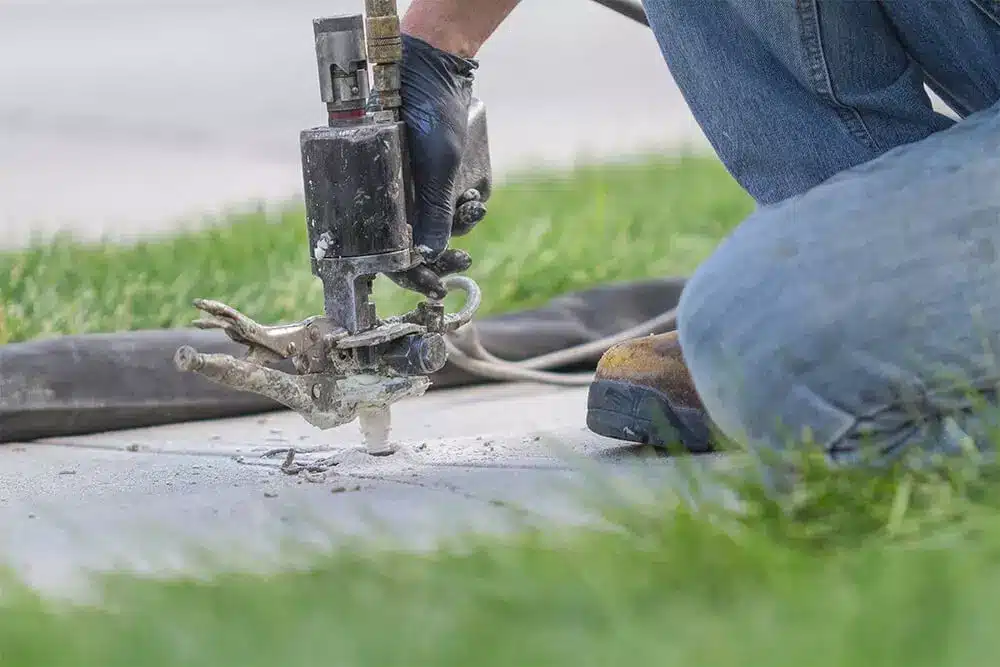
x,y
385,50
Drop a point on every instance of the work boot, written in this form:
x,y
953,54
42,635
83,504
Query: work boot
x,y
642,392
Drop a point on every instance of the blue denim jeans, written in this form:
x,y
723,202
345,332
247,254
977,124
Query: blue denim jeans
x,y
859,306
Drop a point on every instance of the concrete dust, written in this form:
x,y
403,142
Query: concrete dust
x,y
535,451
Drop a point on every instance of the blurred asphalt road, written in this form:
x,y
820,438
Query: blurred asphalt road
x,y
130,116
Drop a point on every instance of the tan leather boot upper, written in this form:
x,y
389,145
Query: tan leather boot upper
x,y
655,362
642,392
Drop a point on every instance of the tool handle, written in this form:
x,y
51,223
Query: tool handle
x,y
475,170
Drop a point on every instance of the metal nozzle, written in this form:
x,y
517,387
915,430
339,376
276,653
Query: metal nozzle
x,y
343,65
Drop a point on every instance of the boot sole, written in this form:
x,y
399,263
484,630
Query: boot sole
x,y
636,413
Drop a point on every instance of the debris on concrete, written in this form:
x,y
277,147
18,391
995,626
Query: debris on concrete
x,y
144,510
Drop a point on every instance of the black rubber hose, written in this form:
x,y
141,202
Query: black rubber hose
x,y
627,8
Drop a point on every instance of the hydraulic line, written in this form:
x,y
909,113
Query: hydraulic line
x,y
481,362
627,8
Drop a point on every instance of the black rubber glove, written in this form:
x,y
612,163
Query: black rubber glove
x,y
436,89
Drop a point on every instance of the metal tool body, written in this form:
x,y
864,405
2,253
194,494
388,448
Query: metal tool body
x,y
359,202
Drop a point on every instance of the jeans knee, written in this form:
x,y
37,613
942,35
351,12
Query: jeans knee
x,y
774,377
755,356
823,313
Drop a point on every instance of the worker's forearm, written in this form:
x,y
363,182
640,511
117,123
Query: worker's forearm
x,y
457,26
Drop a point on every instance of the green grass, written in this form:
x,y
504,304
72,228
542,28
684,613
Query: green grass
x,y
849,569
666,588
543,236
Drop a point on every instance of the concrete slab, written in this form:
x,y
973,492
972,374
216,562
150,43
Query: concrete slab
x,y
164,499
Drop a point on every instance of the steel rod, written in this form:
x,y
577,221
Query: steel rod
x,y
627,8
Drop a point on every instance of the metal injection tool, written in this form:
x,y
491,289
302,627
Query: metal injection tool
x,y
359,201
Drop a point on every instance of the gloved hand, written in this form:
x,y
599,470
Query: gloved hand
x,y
436,89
